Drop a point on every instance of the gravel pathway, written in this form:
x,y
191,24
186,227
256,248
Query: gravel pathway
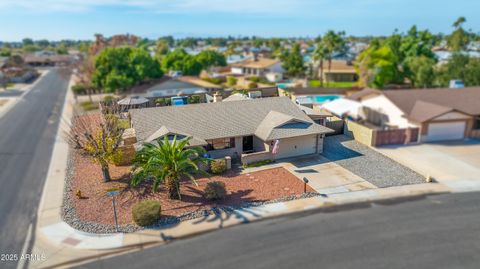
x,y
368,163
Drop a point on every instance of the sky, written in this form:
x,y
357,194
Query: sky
x,y
81,19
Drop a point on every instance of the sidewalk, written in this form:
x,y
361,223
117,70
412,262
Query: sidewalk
x,y
64,246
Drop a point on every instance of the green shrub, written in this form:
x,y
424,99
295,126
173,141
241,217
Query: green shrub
x,y
79,89
257,164
252,85
146,212
218,166
216,81
87,105
232,81
123,123
108,98
215,190
254,79
194,99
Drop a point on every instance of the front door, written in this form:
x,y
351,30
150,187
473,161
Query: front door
x,y
247,144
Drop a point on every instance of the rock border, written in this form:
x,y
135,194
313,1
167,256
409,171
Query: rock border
x,y
69,214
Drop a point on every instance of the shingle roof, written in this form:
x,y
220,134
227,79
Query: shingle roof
x,y
465,100
424,111
223,119
259,63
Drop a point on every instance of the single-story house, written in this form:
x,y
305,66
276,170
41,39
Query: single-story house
x,y
440,114
246,130
271,69
340,71
167,87
47,60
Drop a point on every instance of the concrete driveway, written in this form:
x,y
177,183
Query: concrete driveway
x,y
325,176
449,162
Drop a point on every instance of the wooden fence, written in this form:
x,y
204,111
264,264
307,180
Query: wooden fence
x,y
395,136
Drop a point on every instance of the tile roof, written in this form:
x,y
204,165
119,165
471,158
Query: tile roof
x,y
225,119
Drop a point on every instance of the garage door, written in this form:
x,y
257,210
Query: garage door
x,y
297,146
446,131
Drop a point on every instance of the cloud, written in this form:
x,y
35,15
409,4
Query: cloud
x,y
266,7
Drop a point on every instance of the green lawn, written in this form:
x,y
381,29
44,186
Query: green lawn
x,y
87,105
316,83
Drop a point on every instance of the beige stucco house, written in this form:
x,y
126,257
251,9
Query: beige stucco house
x,y
440,114
245,130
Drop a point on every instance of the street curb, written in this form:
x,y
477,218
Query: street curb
x,y
327,207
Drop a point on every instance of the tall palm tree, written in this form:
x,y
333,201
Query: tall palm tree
x,y
319,55
168,162
333,42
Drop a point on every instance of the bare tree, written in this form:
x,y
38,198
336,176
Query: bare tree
x,y
98,136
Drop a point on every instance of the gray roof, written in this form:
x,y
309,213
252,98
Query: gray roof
x,y
267,118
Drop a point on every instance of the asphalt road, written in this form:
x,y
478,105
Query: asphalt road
x,y
435,232
27,135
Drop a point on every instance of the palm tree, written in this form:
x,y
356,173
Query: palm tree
x,y
167,162
333,42
319,55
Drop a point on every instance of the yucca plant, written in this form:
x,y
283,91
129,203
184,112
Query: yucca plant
x,y
168,162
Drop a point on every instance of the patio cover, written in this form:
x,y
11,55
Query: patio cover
x,y
343,107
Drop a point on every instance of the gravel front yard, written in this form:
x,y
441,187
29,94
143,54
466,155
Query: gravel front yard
x,y
96,207
368,163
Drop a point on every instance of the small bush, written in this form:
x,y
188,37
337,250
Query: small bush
x,y
215,190
232,81
257,164
218,166
146,212
79,89
108,98
252,85
87,106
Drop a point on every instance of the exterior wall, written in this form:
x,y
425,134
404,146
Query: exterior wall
x,y
234,152
395,116
359,132
274,77
259,145
276,68
237,70
256,157
320,143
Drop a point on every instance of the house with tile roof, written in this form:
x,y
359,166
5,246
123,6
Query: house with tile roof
x,y
245,130
440,114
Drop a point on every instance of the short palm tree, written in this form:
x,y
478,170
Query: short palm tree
x,y
168,162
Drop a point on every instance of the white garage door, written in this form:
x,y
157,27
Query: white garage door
x,y
296,146
446,131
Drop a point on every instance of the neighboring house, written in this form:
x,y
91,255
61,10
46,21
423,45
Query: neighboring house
x,y
262,67
339,71
246,130
179,86
440,114
48,60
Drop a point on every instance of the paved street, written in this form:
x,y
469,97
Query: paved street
x,y
27,134
435,232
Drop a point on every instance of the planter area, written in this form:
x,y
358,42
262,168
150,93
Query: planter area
x,y
93,212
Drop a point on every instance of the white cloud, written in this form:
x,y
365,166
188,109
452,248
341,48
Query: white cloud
x,y
267,7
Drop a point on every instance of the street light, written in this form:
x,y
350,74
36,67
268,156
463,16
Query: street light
x,y
305,181
112,193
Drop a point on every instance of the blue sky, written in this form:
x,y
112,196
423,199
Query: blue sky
x,y
80,19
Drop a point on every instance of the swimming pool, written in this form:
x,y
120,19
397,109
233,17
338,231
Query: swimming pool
x,y
316,99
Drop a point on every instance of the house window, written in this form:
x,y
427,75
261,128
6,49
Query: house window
x,y
222,143
319,121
